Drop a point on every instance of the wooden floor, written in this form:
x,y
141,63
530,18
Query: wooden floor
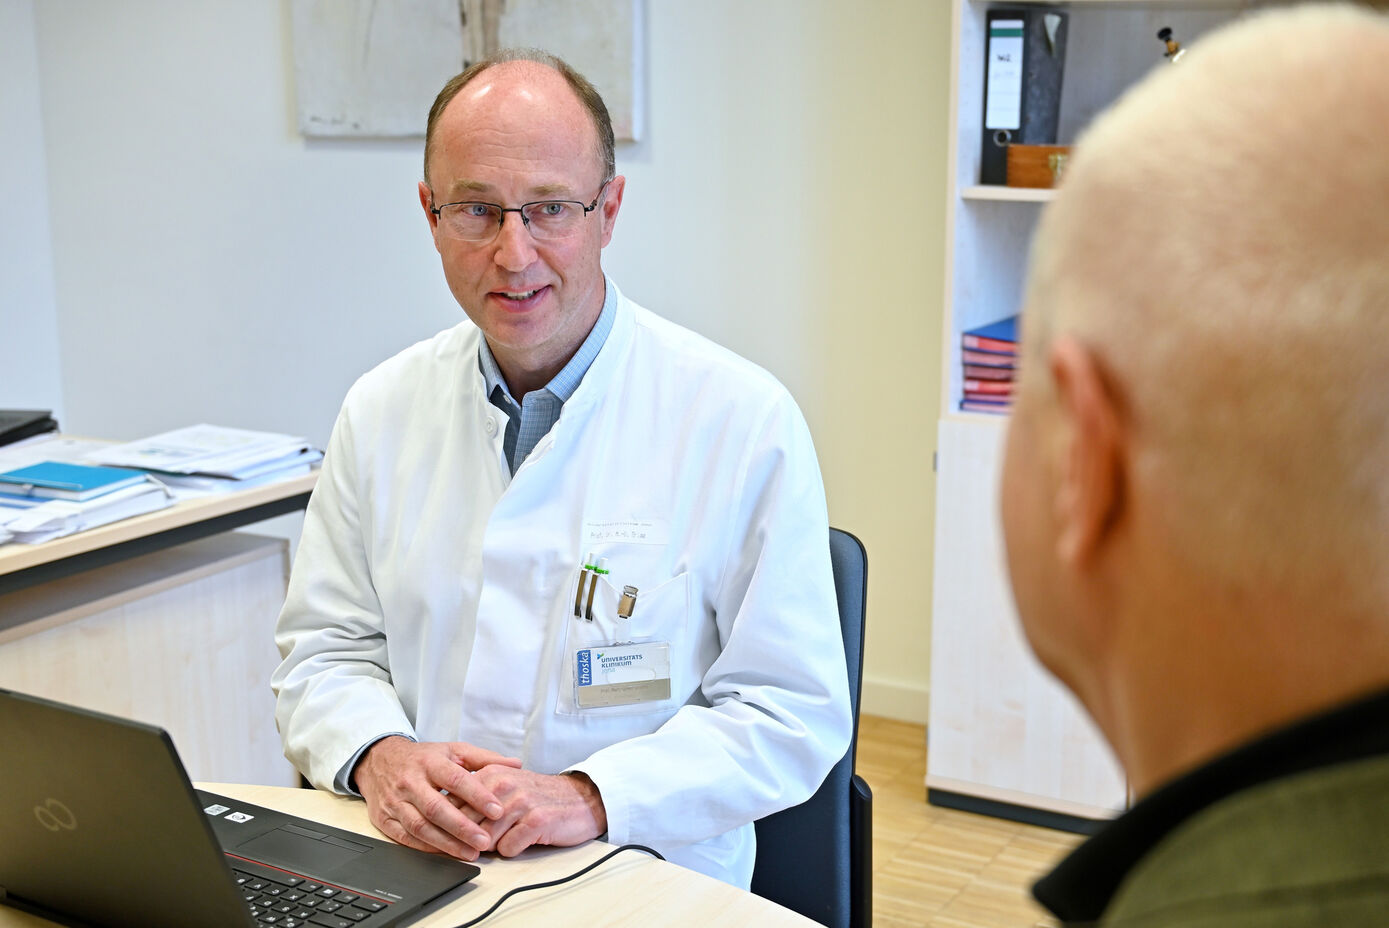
x,y
941,868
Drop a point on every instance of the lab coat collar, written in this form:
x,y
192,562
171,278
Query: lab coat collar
x,y
600,372
610,358
594,385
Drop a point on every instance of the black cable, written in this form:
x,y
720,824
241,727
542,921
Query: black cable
x,y
564,879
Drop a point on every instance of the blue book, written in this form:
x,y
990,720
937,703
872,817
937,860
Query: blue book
x,y
996,336
77,482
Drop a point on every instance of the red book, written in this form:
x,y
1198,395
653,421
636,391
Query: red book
x,y
999,336
990,344
989,387
990,358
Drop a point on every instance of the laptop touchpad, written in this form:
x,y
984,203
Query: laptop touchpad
x,y
296,852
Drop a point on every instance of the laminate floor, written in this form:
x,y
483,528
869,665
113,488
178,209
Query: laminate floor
x,y
941,868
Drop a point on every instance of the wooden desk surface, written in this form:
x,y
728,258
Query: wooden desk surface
x,y
631,889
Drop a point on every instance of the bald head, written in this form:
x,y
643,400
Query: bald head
x,y
1222,245
1196,482
540,67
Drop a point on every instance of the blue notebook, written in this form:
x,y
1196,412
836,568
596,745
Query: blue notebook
x,y
77,482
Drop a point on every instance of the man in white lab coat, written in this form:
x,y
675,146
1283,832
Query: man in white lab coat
x,y
566,561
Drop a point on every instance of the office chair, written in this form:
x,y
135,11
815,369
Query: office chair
x,y
817,858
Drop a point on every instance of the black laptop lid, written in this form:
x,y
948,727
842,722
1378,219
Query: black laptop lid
x,y
101,825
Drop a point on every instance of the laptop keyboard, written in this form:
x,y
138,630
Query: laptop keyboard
x,y
286,900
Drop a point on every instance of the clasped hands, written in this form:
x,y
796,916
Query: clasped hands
x,y
459,799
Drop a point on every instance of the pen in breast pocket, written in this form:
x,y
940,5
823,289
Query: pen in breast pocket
x,y
584,576
599,570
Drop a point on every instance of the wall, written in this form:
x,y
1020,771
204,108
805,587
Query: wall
x,y
30,375
786,201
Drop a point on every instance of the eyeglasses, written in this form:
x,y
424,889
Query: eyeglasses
x,y
470,221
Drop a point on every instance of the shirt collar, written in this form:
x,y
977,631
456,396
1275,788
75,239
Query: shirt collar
x,y
563,384
1081,887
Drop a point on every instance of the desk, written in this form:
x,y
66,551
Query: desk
x,y
631,889
135,619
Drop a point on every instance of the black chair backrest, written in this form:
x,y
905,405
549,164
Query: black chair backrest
x,y
811,858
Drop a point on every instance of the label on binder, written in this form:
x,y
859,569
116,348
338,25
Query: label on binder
x,y
1003,108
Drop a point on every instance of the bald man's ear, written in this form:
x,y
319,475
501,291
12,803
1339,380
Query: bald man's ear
x,y
1091,455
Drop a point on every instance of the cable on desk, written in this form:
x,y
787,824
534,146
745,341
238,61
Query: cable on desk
x,y
564,879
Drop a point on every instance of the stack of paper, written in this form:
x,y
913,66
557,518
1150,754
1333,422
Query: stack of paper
x,y
51,499
210,457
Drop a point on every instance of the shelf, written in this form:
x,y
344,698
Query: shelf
x,y
959,415
1013,194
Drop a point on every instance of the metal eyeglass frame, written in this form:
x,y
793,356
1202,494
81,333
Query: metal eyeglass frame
x,y
519,210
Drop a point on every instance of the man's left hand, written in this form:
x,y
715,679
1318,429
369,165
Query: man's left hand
x,y
539,808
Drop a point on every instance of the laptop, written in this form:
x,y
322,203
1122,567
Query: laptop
x,y
102,827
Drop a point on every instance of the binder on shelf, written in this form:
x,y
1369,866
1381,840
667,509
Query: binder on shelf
x,y
1025,57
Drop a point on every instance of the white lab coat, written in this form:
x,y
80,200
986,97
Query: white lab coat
x,y
433,593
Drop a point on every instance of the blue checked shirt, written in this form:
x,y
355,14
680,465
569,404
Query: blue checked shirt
x,y
540,409
538,413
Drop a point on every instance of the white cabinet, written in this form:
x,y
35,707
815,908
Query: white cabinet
x,y
183,638
1003,736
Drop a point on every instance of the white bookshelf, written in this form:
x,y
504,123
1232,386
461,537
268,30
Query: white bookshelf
x,y
1003,735
1007,194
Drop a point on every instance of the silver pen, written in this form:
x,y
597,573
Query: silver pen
x,y
579,593
599,570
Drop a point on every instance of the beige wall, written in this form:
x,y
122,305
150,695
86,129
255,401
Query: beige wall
x,y
787,200
885,285
805,141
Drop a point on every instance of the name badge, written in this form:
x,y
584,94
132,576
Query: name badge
x,y
622,675
626,531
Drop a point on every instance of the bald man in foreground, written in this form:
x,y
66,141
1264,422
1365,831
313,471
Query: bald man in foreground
x,y
1196,484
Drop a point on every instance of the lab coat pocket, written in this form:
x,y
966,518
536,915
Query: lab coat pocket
x,y
658,617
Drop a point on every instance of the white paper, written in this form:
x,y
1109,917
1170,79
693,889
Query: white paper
x,y
49,447
209,449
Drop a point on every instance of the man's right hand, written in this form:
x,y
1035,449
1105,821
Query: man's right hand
x,y
401,781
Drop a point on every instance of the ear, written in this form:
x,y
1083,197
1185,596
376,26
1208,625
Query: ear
x,y
1091,481
427,203
612,202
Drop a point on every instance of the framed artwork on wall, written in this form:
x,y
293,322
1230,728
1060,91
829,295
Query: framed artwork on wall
x,y
367,69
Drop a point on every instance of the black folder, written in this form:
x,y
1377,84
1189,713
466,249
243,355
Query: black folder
x,y
1022,98
16,424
